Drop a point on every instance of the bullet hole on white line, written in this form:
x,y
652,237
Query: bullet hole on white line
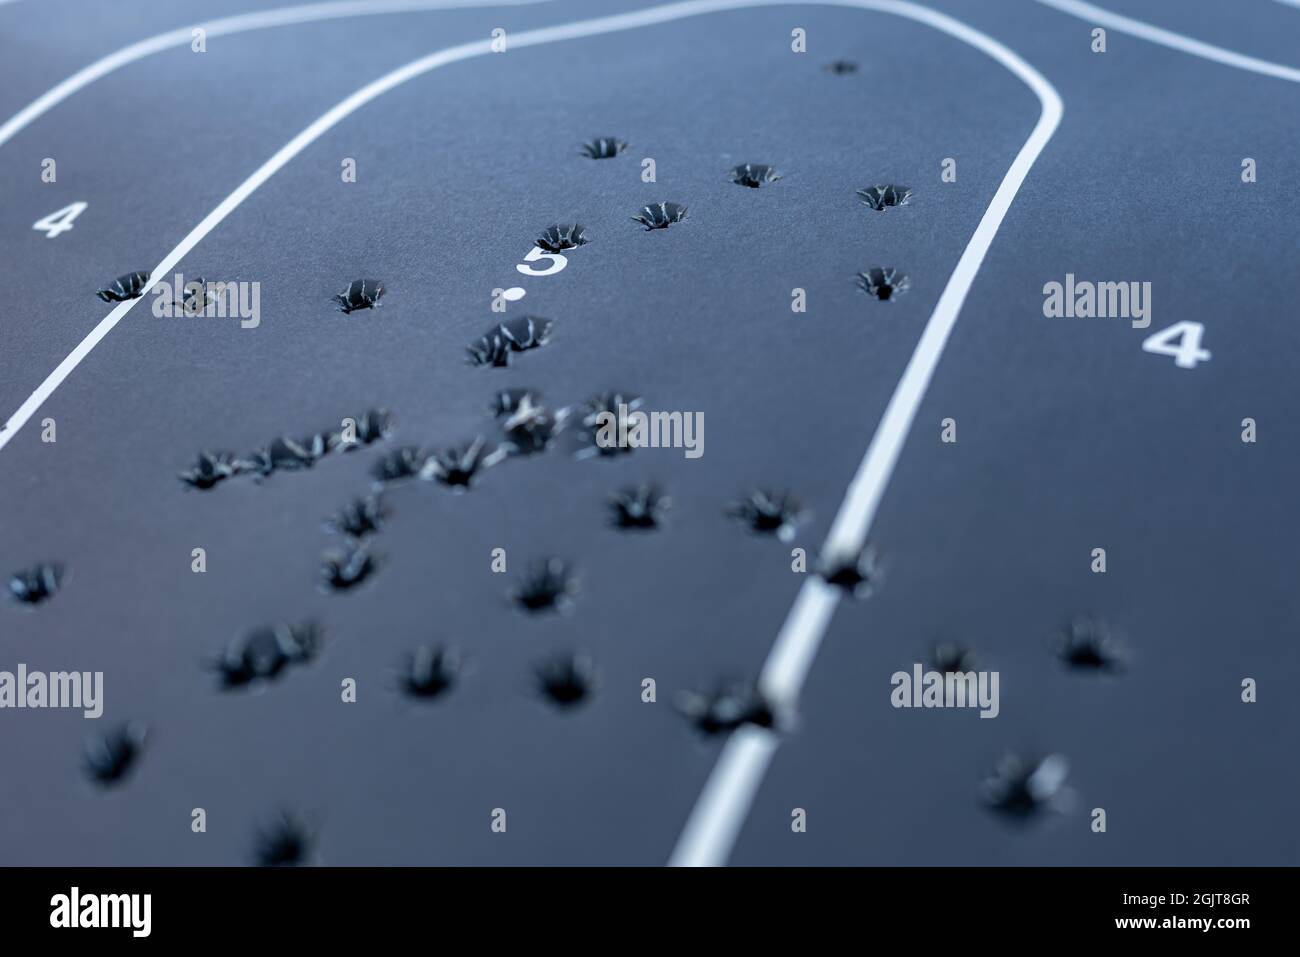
x,y
343,569
38,584
129,286
857,575
728,707
360,517
639,507
603,147
754,175
1088,645
1022,787
556,239
566,679
841,67
596,414
769,513
883,282
264,653
458,465
495,346
660,215
547,585
881,198
360,294
429,672
286,841
109,757
531,427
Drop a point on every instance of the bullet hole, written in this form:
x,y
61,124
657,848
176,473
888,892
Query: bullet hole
x,y
403,463
360,294
640,507
286,455
596,412
769,513
566,679
130,286
884,283
287,841
604,147
556,239
727,707
345,568
194,297
38,584
264,653
517,335
548,585
952,656
373,426
859,576
660,215
531,427
508,401
209,470
457,466
109,757
429,672
881,198
754,175
1088,645
841,67
360,517
1021,786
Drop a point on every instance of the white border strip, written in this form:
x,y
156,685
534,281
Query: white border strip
x,y
1175,41
715,821
242,23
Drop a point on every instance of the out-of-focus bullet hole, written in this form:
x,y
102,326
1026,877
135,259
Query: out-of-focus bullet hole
x,y
429,672
264,653
952,656
566,679
1022,786
639,507
345,568
841,67
531,427
211,468
457,466
596,412
727,707
398,464
111,756
285,841
547,585
769,513
1088,645
360,517
858,576
38,584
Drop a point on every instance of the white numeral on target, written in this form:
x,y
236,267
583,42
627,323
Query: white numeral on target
x,y
1182,340
60,221
558,262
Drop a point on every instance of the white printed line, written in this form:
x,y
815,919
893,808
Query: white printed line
x,y
1175,41
716,819
183,36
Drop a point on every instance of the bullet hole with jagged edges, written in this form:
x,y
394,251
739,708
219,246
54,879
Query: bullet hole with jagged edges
x,y
264,653
603,147
38,584
640,507
128,286
558,238
360,294
360,517
495,346
429,672
597,412
566,679
754,175
857,575
1021,787
881,198
660,215
457,466
547,585
1087,644
729,706
768,512
884,283
344,569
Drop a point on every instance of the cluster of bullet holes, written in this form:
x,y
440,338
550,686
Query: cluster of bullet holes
x,y
287,454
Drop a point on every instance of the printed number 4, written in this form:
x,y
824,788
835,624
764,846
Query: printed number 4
x,y
1182,340
558,262
60,221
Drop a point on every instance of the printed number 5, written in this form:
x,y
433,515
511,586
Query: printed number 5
x,y
558,262
1182,340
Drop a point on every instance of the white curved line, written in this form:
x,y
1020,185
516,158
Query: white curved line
x,y
183,36
716,819
1175,41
